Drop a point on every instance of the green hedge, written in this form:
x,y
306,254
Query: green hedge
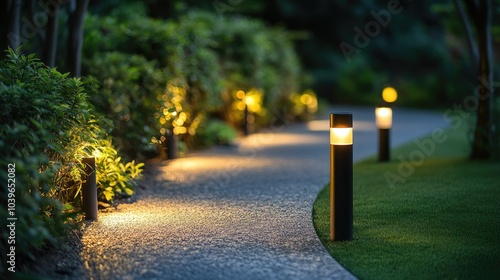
x,y
46,126
177,74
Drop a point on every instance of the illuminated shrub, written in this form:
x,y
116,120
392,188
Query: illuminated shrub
x,y
46,127
172,76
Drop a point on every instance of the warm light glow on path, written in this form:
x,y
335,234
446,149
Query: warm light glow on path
x,y
240,212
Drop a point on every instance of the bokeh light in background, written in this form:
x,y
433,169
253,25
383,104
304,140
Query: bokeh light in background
x,y
252,99
389,94
304,104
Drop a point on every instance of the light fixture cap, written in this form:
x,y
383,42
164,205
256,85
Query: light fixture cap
x,y
340,120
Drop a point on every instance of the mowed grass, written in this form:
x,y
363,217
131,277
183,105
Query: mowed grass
x,y
441,221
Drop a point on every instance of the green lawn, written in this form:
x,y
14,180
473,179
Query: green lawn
x,y
442,221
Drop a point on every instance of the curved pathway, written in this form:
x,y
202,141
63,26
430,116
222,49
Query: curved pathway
x,y
241,212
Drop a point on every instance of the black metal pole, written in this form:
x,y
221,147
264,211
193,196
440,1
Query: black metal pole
x,y
172,151
343,192
384,144
341,181
246,129
89,189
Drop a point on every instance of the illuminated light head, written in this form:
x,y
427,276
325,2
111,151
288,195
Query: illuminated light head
x,y
341,129
389,94
383,117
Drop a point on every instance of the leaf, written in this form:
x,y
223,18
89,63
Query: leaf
x,y
129,191
67,206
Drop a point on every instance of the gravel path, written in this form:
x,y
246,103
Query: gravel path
x,y
241,212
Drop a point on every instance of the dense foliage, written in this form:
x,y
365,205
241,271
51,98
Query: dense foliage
x,y
420,49
47,126
160,77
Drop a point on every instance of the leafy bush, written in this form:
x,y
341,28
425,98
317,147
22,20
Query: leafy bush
x,y
163,69
113,177
305,105
197,63
358,82
39,107
46,127
254,56
216,132
128,96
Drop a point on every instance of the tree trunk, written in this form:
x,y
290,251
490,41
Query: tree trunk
x,y
482,146
75,40
4,26
14,30
50,46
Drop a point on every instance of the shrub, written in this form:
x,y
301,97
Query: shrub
x,y
216,132
197,63
39,107
164,70
46,127
128,96
254,56
113,177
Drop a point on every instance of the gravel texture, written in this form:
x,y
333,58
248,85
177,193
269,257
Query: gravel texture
x,y
239,212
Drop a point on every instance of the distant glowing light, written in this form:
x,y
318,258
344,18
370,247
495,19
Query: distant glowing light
x,y
306,99
180,130
183,116
240,106
240,94
249,100
383,117
389,94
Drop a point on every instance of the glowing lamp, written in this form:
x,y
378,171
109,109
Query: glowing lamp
x,y
341,213
341,136
383,117
249,100
389,94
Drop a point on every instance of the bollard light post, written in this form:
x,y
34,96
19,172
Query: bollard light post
x,y
246,124
341,198
383,118
249,101
172,147
89,189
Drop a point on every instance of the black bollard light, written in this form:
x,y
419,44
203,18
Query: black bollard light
x,y
172,147
383,116
341,212
89,189
246,124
